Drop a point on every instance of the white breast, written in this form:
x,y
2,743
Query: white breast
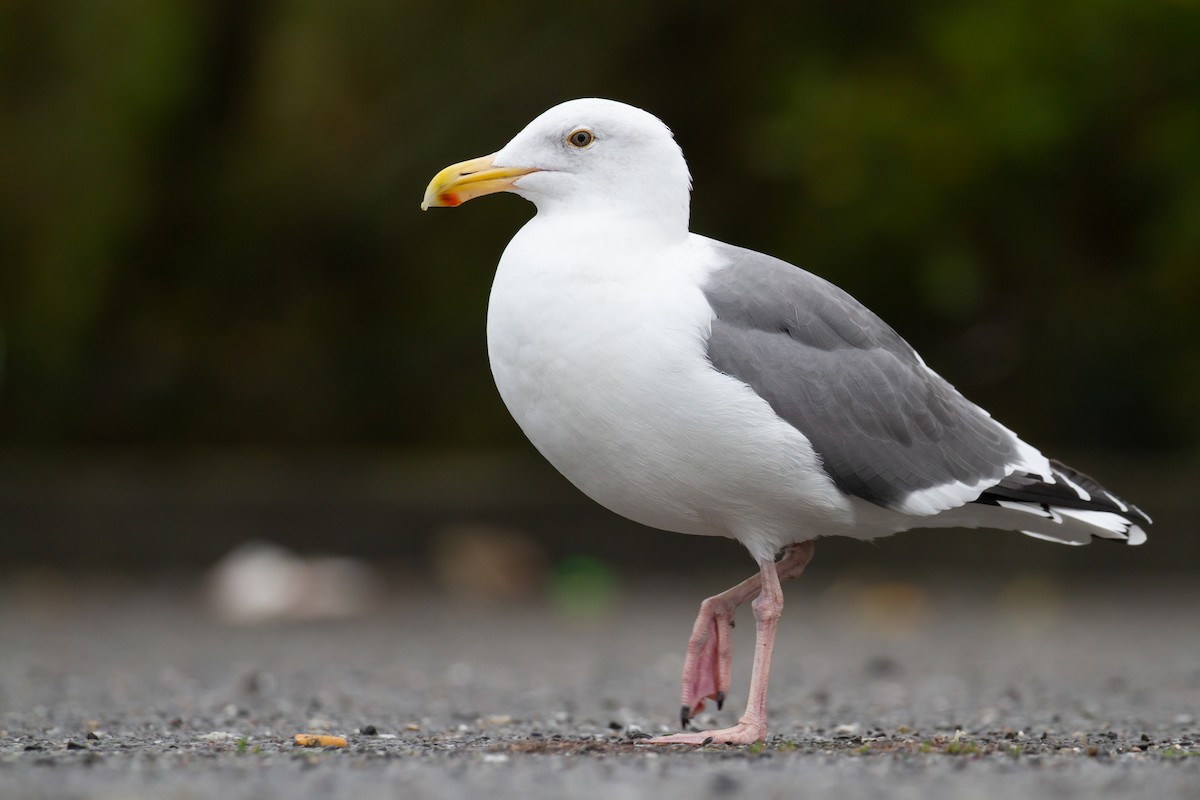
x,y
600,358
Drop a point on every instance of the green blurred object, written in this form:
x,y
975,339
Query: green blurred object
x,y
581,586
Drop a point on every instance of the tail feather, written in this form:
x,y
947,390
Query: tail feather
x,y
1074,501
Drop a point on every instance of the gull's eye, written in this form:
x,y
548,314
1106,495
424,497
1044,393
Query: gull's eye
x,y
580,138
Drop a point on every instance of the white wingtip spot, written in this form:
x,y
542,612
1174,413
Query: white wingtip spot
x,y
1136,535
1116,500
1079,490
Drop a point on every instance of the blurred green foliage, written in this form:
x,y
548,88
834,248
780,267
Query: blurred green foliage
x,y
581,586
208,210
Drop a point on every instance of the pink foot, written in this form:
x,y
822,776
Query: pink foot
x,y
707,669
742,733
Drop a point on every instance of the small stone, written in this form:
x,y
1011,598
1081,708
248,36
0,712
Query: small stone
x,y
882,666
95,737
258,682
723,784
73,745
615,726
369,730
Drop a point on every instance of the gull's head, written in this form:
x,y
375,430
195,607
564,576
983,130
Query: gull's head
x,y
590,156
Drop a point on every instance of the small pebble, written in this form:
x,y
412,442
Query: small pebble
x,y
881,666
73,745
723,784
369,730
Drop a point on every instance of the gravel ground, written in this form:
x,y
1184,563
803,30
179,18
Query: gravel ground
x,y
880,690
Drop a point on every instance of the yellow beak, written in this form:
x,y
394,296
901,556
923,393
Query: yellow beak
x,y
458,183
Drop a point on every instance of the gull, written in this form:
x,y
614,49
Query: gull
x,y
708,389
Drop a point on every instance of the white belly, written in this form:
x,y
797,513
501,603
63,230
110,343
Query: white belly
x,y
602,363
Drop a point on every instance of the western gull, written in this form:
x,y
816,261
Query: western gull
x,y
704,388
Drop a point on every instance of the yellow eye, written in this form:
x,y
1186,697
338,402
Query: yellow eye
x,y
580,138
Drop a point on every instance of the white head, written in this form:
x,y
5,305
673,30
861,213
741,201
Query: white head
x,y
585,156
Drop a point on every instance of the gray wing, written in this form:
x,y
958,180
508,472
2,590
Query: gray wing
x,y
884,425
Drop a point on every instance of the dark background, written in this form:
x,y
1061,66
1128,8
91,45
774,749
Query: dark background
x,y
222,315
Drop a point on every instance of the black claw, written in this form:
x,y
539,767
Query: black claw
x,y
709,740
684,716
720,700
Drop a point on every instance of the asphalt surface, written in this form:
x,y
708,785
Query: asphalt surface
x,y
985,689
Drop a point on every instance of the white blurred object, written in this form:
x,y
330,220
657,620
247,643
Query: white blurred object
x,y
260,582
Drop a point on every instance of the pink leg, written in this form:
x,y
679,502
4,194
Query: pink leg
x,y
768,607
708,666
